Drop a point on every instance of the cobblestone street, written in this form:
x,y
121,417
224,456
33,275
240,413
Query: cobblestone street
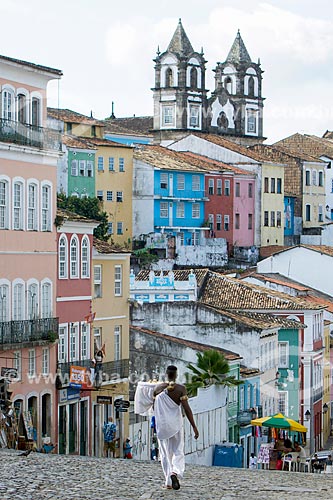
x,y
59,477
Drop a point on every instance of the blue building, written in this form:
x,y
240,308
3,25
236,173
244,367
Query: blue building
x,y
289,213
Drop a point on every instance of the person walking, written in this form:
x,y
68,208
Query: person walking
x,y
169,399
109,431
253,462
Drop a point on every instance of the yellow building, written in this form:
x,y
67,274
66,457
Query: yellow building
x,y
73,123
110,309
113,184
327,385
272,206
313,201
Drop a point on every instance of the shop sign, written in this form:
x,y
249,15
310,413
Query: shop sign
x,y
104,400
68,394
77,376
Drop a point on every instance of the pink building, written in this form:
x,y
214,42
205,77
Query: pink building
x,y
28,245
74,285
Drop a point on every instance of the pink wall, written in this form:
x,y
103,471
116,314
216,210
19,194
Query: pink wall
x,y
244,205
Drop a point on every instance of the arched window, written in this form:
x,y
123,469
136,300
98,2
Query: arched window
x,y
18,302
46,300
194,78
32,207
21,108
74,258
314,177
169,78
4,204
7,105
33,301
46,208
251,86
63,258
85,255
35,111
17,205
4,302
228,84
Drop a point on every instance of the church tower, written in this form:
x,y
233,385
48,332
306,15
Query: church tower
x,y
236,105
180,101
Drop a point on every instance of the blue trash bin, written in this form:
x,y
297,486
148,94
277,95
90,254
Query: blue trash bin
x,y
228,455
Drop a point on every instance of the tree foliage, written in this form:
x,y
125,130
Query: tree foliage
x,y
145,258
87,207
211,368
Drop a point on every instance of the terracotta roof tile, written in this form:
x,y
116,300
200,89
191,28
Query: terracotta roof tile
x,y
249,372
309,144
134,124
70,116
225,143
66,215
71,141
179,275
213,165
271,250
164,158
105,247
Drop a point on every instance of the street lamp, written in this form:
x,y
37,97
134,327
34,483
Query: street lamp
x,y
325,408
307,415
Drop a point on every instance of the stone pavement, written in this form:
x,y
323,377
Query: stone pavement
x,y
59,477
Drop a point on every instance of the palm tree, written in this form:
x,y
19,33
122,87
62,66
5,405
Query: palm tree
x,y
211,368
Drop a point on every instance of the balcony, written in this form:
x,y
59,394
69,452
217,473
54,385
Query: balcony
x,y
112,371
29,135
180,194
244,417
28,331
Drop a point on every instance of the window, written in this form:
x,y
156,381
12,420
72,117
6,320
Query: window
x,y
218,222
84,341
18,305
17,364
308,213
73,342
194,78
249,221
168,115
195,240
110,227
180,211
7,105
164,213
181,239
272,219
252,121
119,228
266,182
194,116
32,363
228,84
226,222
46,300
97,338
74,261
62,346
210,186
118,273
241,398
4,303
195,211
251,86
211,221
227,188
82,167
307,178
33,301
121,165
100,195
85,258
237,221
74,168
237,190
98,281
90,168
32,207
109,196
164,181
314,177
69,128
21,108
320,178
266,218
4,205
45,361
278,218
169,77
283,348
283,405
117,343
272,185
119,198
46,208
180,181
196,183
35,112
100,164
18,206
320,213
219,187
111,164
250,190
279,185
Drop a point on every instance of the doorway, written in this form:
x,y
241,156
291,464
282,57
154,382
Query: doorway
x,y
83,427
62,430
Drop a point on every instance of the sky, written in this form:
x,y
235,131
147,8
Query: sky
x,y
106,49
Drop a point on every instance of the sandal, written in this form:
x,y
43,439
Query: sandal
x,y
175,482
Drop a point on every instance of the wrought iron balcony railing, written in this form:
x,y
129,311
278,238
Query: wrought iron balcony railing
x,y
110,371
29,330
29,135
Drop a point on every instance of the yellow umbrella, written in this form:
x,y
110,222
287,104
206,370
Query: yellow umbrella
x,y
279,421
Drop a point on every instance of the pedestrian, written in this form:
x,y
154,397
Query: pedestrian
x,y
329,465
170,398
127,449
253,461
109,431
